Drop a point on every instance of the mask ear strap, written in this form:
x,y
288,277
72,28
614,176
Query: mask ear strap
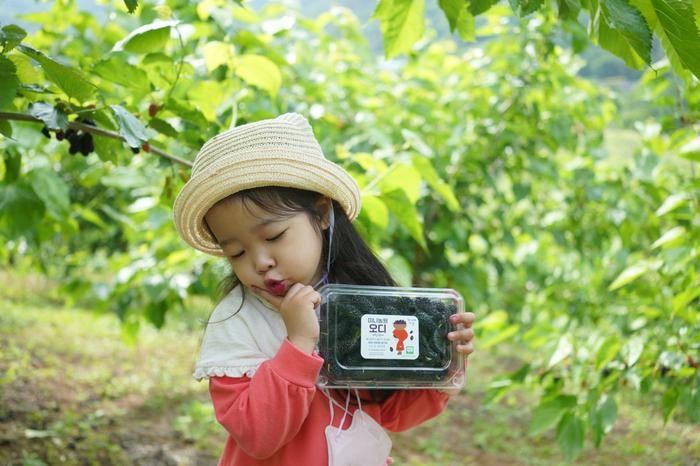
x,y
330,406
331,229
359,403
345,414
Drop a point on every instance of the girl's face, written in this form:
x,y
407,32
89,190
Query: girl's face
x,y
267,251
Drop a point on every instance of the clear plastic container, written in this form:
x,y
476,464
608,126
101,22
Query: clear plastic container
x,y
388,337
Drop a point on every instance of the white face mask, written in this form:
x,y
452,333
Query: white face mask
x,y
364,443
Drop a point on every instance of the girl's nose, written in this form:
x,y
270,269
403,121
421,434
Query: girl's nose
x,y
264,262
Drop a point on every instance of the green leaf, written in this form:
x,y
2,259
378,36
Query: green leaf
x,y
404,177
405,212
677,18
632,350
607,351
370,163
602,418
5,129
13,165
565,348
493,321
425,168
163,127
26,71
400,270
570,436
90,216
129,127
549,412
525,7
217,53
629,22
451,9
155,312
491,339
107,149
259,71
628,275
52,190
415,141
130,328
670,238
52,117
569,9
20,208
147,38
8,82
206,95
402,24
694,404
682,299
647,9
608,413
669,402
131,5
614,41
11,36
376,211
691,150
465,24
68,79
672,202
476,7
116,68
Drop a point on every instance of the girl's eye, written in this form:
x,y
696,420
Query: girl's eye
x,y
276,237
236,256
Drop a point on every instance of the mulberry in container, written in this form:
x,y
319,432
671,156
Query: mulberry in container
x,y
388,337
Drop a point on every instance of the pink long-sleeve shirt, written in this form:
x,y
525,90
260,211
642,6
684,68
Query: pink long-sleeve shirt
x,y
278,417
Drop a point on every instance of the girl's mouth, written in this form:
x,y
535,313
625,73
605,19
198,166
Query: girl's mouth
x,y
276,287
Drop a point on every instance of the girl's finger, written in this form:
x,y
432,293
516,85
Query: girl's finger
x,y
466,349
276,301
294,290
309,293
463,335
465,318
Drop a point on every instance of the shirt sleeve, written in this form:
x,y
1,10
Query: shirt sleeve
x,y
408,408
265,412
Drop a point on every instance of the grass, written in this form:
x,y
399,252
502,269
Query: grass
x,y
73,393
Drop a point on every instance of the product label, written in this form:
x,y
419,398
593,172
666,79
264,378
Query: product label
x,y
389,337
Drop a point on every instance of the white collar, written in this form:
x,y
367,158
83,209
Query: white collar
x,y
239,338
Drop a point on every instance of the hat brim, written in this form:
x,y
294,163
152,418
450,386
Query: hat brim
x,y
208,187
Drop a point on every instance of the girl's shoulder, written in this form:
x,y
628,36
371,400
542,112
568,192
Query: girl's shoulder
x,y
240,335
242,306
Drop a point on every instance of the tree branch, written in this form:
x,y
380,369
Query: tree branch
x,y
94,130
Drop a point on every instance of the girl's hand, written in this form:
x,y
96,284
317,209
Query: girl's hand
x,y
464,338
297,310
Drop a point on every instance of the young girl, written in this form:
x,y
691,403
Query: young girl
x,y
264,196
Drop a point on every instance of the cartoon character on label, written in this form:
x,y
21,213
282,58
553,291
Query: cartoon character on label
x,y
400,334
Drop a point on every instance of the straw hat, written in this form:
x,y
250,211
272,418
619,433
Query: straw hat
x,y
278,152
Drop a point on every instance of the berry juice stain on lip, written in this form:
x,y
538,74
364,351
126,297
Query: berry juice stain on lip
x,y
276,287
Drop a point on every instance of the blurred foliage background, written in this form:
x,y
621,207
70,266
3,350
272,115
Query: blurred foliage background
x,y
559,197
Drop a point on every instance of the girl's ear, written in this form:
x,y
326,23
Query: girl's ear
x,y
323,206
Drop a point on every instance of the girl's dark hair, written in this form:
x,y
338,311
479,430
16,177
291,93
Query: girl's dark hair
x,y
352,261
